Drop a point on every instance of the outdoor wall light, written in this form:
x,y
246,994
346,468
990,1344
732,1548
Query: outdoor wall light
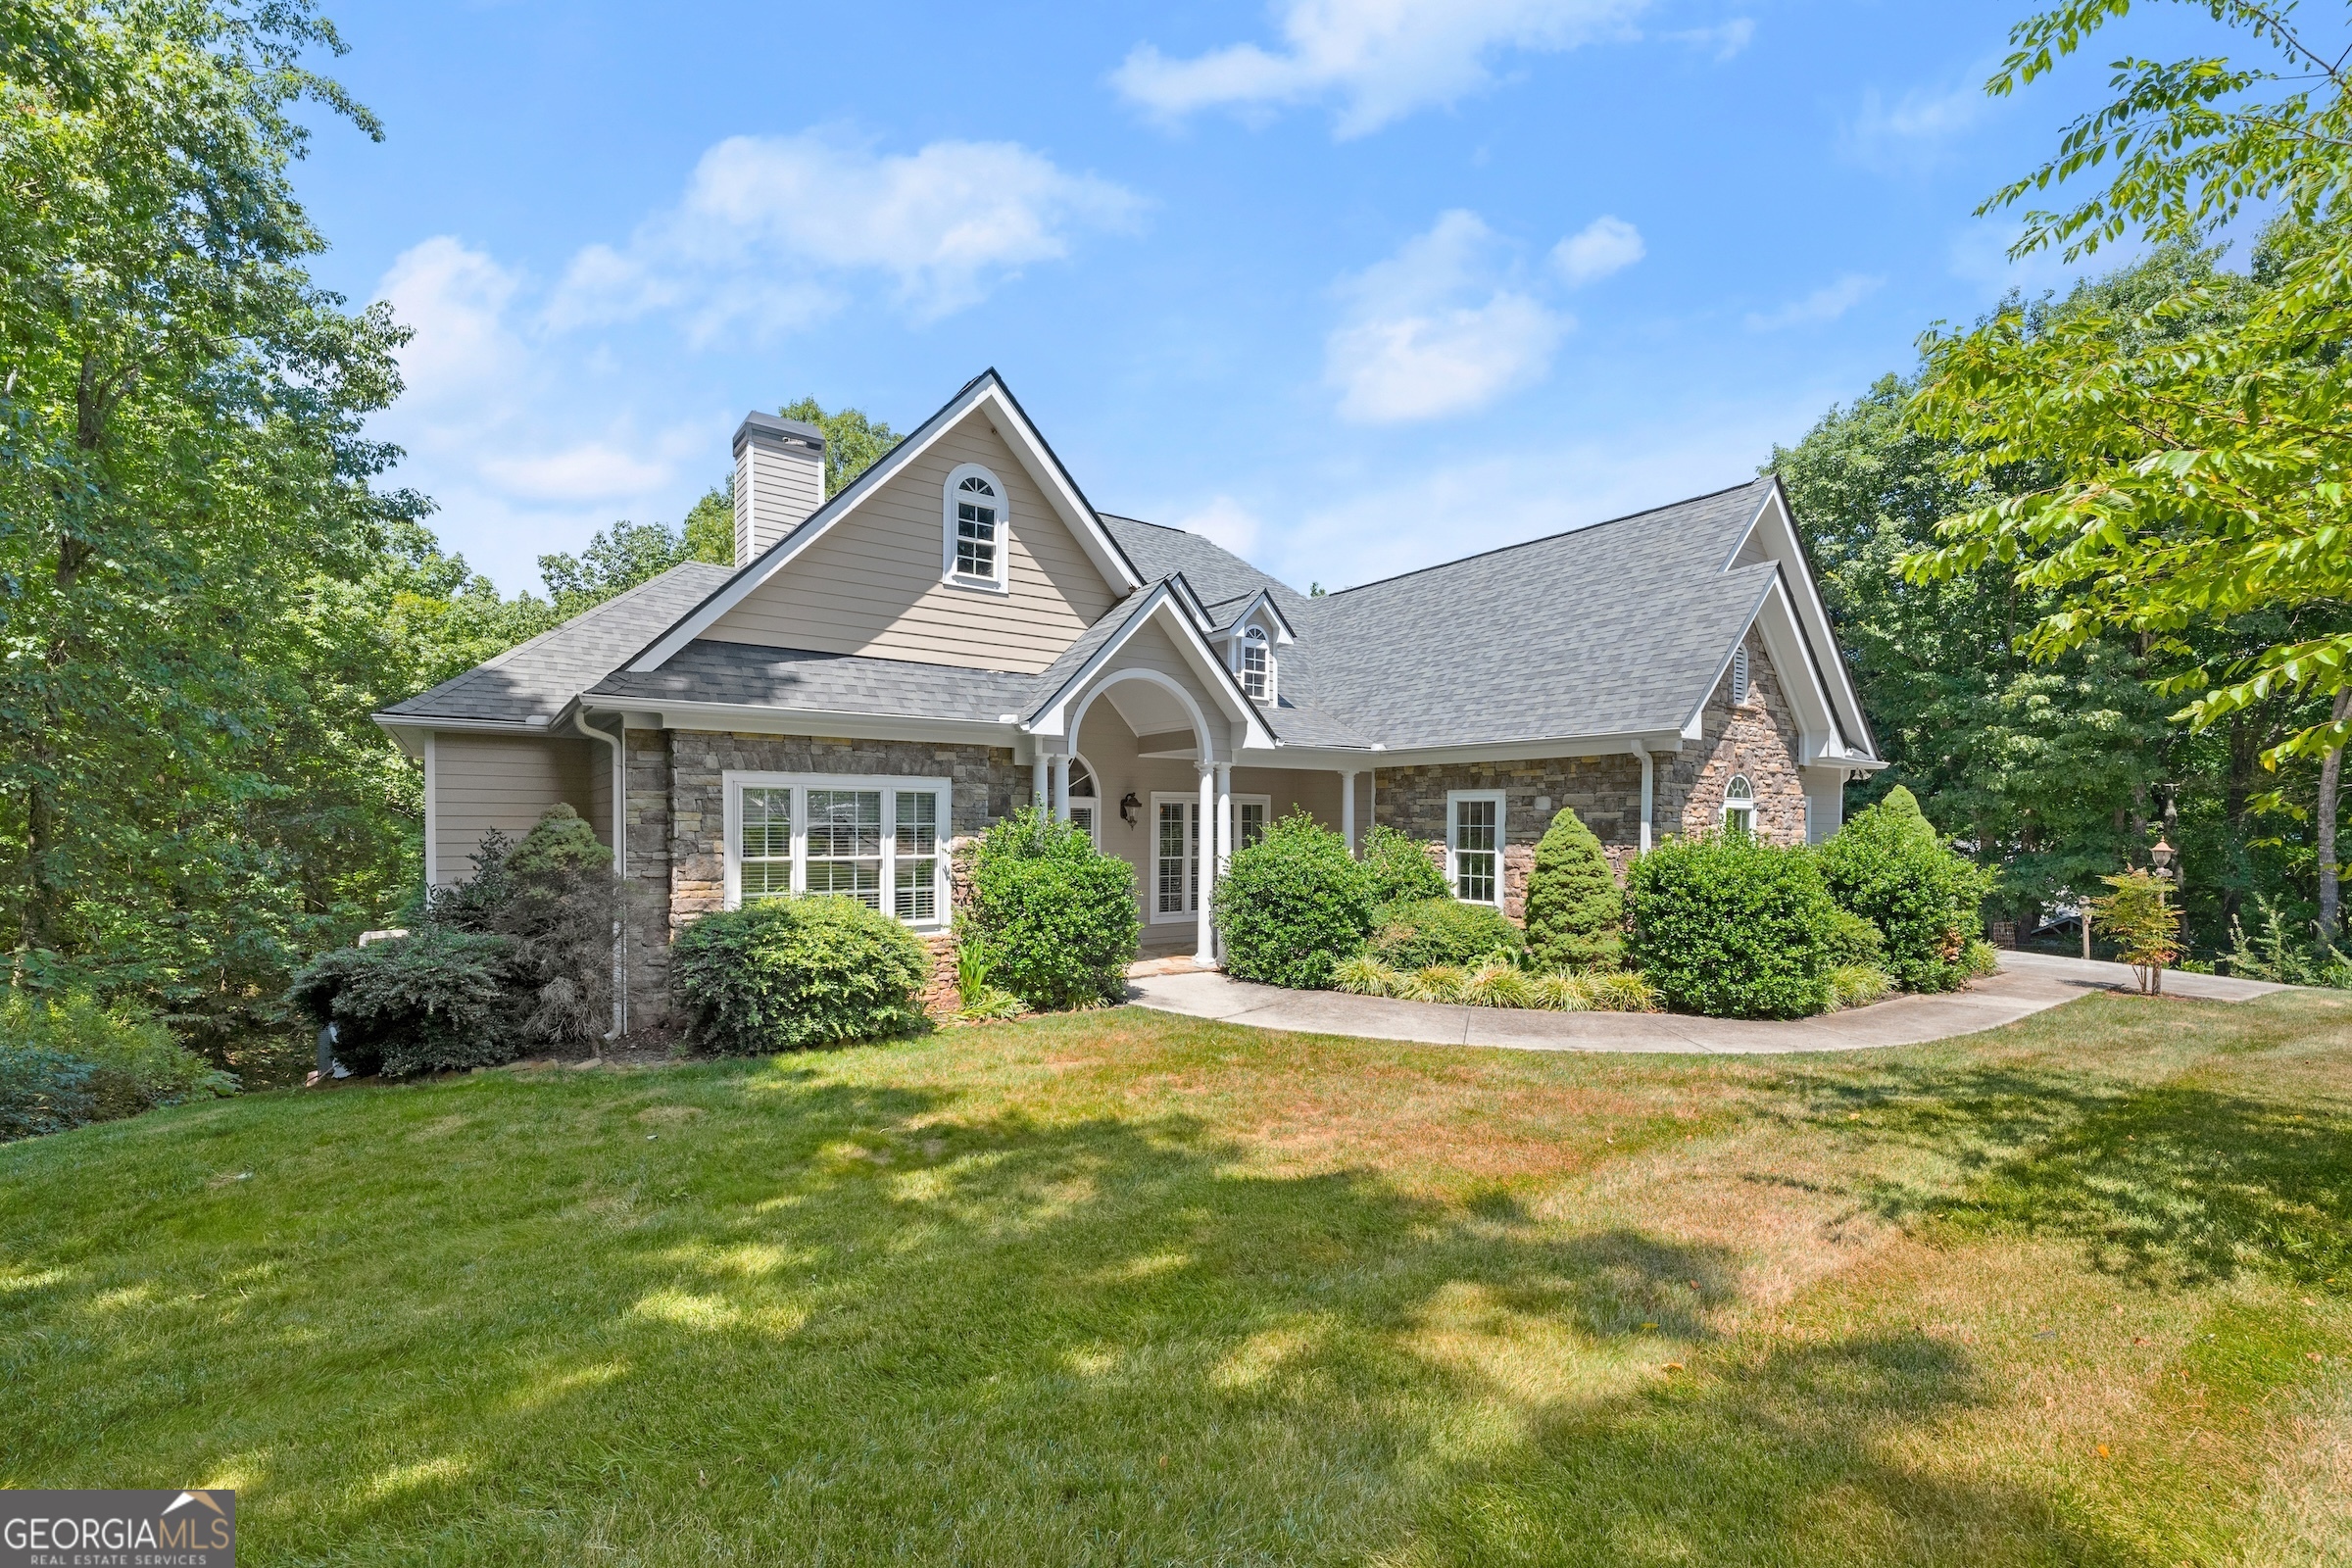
x,y
1128,807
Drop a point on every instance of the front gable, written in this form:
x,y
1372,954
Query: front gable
x,y
876,584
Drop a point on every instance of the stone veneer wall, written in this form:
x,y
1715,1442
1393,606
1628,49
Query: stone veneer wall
x,y
1757,738
677,820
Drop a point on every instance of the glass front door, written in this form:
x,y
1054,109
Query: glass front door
x,y
1175,859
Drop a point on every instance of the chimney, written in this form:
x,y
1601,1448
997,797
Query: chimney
x,y
779,479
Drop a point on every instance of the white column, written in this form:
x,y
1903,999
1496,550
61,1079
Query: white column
x,y
1037,783
1204,952
1224,816
1062,788
1347,808
1649,781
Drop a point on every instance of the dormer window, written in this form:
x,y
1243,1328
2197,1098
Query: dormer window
x,y
1257,666
975,519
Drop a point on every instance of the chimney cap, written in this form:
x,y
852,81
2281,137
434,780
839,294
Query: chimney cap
x,y
776,428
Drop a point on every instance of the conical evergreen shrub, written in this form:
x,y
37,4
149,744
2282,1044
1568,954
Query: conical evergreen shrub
x,y
1575,910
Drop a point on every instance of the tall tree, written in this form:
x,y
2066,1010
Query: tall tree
x,y
621,556
852,441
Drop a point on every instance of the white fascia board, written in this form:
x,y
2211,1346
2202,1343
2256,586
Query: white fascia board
x,y
1775,618
1053,714
1781,542
746,719
1270,616
410,730
1192,602
984,395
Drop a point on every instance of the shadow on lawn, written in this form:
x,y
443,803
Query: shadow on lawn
x,y
2174,1184
819,1322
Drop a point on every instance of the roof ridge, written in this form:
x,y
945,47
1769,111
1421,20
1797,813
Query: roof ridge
x,y
1545,539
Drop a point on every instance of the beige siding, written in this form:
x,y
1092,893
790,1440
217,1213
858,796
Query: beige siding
x,y
482,782
597,767
776,486
872,584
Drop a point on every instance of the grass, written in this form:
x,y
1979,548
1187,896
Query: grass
x,y
1126,1288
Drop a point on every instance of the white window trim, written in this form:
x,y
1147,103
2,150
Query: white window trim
x,y
734,783
1192,859
1453,881
1094,801
1241,641
1746,808
1002,583
1266,802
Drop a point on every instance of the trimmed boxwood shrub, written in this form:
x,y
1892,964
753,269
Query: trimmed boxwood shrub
x,y
1401,871
1889,867
1574,909
438,1000
1444,931
1727,925
1294,906
781,974
1052,918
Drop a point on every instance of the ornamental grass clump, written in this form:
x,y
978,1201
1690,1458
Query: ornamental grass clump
x,y
783,974
1889,867
1574,909
1294,906
1051,916
1729,926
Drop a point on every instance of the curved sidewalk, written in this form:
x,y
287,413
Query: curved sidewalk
x,y
2029,983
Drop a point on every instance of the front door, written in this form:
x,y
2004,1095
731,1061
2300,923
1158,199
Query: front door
x,y
1175,858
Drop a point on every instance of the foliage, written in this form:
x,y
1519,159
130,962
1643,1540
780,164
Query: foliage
x,y
2279,956
1401,872
1444,930
66,1059
1888,865
1498,984
783,974
1293,906
1727,925
977,994
2139,918
1054,916
2192,451
1574,909
1858,985
438,1000
1855,941
854,442
627,554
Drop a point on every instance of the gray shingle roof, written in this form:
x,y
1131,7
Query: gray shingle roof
x,y
1613,629
1218,574
540,677
709,671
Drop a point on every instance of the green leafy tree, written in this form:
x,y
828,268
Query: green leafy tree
x,y
852,441
1574,909
627,554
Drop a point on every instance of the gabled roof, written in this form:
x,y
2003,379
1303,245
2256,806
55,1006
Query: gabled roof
x,y
1618,628
987,389
540,677
1216,573
1062,679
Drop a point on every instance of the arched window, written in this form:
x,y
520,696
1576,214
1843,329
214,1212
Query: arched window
x,y
1086,803
1739,675
1257,665
975,517
1740,806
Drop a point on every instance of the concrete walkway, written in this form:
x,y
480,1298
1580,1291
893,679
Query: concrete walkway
x,y
2029,983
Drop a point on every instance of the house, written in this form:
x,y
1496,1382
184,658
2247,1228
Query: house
x,y
958,631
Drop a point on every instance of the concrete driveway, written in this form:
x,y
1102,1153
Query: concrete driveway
x,y
2029,983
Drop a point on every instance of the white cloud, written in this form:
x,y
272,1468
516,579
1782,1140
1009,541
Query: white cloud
x,y
1725,40
1225,521
1917,128
1825,304
1379,59
770,229
1604,246
454,302
1432,331
591,471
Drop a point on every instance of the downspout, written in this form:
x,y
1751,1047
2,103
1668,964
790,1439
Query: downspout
x,y
1648,785
620,863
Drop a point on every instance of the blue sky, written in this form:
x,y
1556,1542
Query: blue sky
x,y
1353,286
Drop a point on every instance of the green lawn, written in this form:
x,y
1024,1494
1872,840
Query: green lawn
x,y
1127,1288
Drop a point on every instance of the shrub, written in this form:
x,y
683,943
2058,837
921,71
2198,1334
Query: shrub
x,y
1053,916
2140,917
1401,871
438,1000
1575,910
1727,925
555,895
1858,985
781,974
1444,930
1855,941
1889,867
1439,982
1496,983
1365,976
1294,906
66,1060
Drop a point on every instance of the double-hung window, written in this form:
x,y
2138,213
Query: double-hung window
x,y
876,840
1474,845
1257,666
974,518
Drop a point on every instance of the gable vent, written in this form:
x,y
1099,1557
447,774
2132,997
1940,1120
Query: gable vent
x,y
779,479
